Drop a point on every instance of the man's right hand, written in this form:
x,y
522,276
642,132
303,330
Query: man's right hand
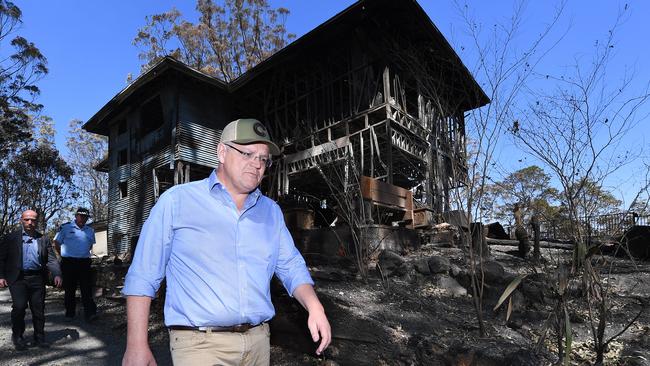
x,y
3,283
137,351
140,356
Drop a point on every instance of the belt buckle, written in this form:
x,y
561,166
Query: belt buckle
x,y
241,328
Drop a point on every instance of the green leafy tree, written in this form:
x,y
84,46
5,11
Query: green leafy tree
x,y
21,66
86,150
228,39
593,200
530,188
42,128
9,210
43,181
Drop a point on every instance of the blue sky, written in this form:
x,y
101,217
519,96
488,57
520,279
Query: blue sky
x,y
89,50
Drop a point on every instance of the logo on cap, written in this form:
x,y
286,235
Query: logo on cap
x,y
259,129
82,211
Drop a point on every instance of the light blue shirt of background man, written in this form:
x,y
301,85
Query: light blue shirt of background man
x,y
30,253
75,241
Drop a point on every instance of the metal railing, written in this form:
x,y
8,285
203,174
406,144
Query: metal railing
x,y
600,227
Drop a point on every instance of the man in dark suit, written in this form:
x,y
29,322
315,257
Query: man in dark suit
x,y
24,257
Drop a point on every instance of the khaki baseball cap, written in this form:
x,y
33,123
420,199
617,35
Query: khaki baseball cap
x,y
247,131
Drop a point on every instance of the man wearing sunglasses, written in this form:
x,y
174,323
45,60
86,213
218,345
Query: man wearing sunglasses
x,y
218,242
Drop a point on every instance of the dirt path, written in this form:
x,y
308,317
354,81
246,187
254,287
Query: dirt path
x,y
75,342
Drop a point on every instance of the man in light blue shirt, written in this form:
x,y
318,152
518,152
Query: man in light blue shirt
x,y
218,242
73,242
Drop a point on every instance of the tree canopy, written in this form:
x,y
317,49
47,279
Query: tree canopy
x,y
529,188
21,66
85,151
228,39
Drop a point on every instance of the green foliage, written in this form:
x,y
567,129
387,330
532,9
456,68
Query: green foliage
x,y
86,150
9,210
21,66
529,188
41,180
592,199
44,131
228,39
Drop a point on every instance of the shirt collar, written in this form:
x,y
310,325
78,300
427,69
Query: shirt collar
x,y
25,236
213,181
74,223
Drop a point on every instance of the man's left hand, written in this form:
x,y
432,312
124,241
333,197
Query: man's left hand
x,y
58,281
319,327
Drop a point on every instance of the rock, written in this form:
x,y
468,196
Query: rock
x,y
637,240
438,264
454,270
534,287
514,323
522,357
391,264
422,266
491,294
450,285
492,353
494,272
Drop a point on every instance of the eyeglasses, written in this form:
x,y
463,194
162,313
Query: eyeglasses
x,y
264,159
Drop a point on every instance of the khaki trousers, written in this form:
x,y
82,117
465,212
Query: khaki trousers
x,y
189,347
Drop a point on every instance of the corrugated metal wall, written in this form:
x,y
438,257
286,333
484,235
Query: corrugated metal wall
x,y
197,144
118,206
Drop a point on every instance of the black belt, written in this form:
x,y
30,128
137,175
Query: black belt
x,y
239,328
32,272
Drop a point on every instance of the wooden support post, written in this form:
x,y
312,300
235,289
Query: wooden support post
x,y
156,187
372,152
389,152
386,83
361,153
178,173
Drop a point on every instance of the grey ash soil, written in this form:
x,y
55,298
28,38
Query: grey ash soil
x,y
409,318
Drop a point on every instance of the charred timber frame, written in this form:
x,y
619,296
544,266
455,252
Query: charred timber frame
x,y
319,117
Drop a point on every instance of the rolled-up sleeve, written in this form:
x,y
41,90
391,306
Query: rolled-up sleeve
x,y
152,250
290,268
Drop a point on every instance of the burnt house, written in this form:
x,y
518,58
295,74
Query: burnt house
x,y
378,83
